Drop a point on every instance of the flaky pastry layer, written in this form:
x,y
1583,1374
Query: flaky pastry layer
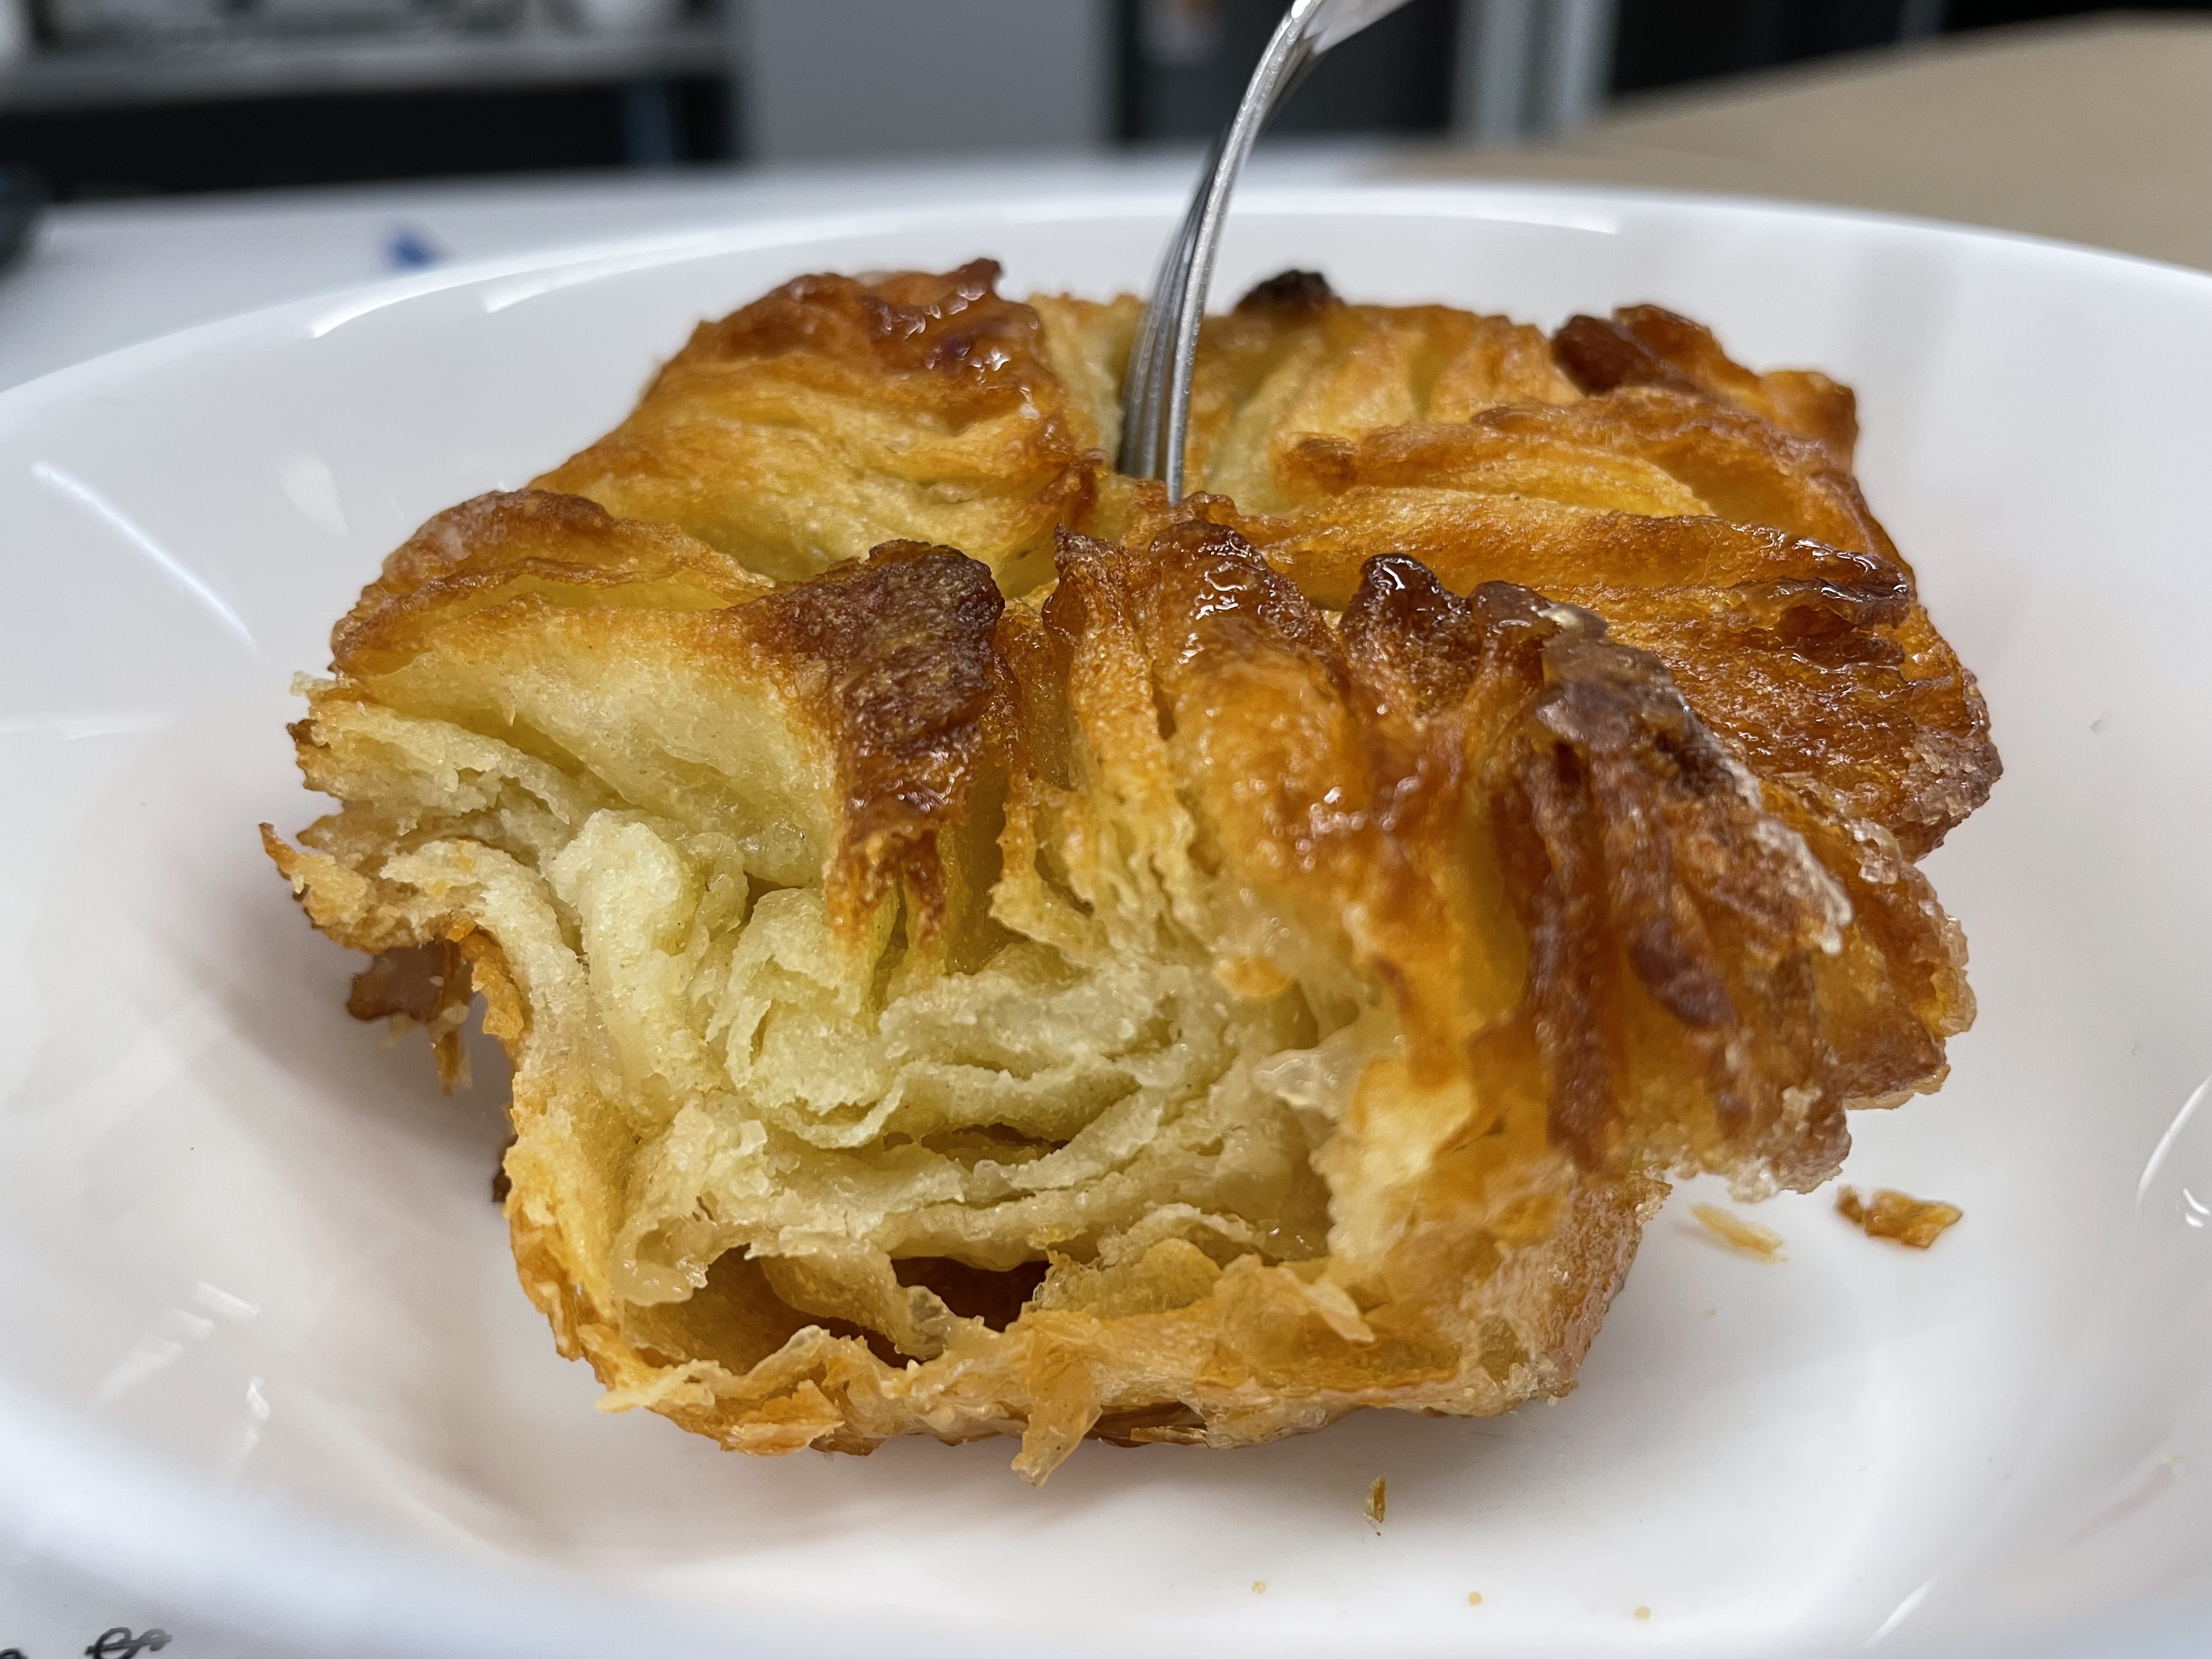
x,y
985,952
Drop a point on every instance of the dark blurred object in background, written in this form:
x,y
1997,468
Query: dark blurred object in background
x,y
1664,43
158,148
1184,62
22,199
135,97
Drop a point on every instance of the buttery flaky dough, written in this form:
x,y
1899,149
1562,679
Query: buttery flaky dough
x,y
985,952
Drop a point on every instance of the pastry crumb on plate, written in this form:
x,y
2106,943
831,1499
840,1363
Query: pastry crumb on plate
x,y
1734,1232
1915,1222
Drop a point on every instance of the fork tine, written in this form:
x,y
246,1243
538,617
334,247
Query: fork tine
x,y
1141,453
1156,386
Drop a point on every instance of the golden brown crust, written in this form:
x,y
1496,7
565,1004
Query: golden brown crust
x,y
836,413
1271,975
1504,837
504,545
1635,853
1344,433
903,647
839,412
1688,454
1649,345
1293,360
887,660
1816,663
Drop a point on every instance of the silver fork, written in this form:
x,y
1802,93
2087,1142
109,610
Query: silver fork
x,y
1156,389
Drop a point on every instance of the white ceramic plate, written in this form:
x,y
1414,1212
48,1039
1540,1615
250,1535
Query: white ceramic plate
x,y
263,1356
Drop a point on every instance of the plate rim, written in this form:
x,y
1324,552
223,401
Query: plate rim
x,y
331,308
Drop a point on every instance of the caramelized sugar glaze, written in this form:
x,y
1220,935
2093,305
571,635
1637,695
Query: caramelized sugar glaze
x,y
985,952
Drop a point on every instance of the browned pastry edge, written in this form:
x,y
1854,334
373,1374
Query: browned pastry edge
x,y
1710,970
1649,345
904,643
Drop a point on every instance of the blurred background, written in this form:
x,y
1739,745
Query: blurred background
x,y
109,98
165,162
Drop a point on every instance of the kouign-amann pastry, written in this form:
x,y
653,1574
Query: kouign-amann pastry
x,y
987,951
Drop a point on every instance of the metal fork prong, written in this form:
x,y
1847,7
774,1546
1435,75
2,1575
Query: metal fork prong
x,y
1156,387
1143,403
1288,56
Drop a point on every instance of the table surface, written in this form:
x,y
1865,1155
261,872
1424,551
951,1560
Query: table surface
x,y
2099,132
2093,130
